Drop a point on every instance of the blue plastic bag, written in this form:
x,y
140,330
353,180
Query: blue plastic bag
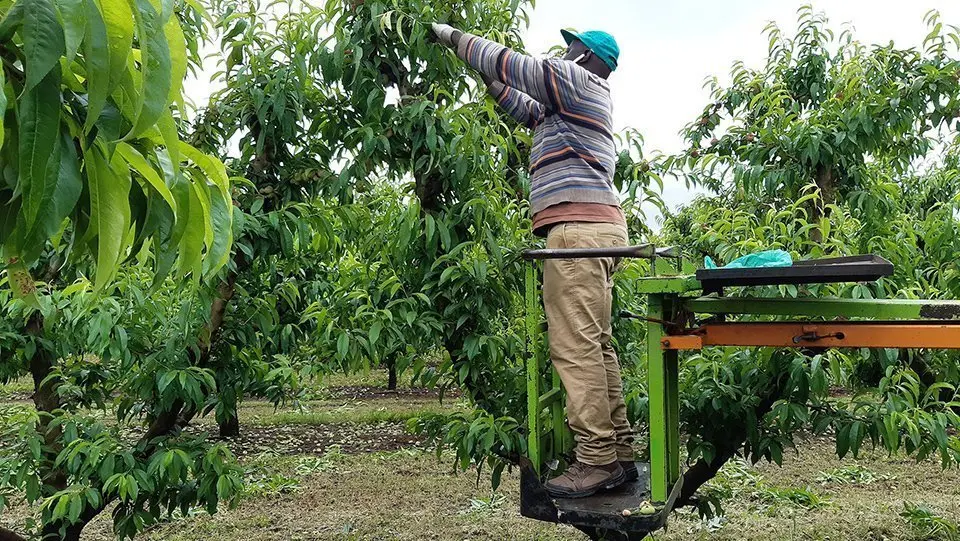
x,y
769,258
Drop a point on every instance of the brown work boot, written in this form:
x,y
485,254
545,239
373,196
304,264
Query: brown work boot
x,y
630,472
581,480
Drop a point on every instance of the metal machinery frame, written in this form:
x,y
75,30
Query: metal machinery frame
x,y
672,324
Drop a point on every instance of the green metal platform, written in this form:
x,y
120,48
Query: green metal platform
x,y
674,305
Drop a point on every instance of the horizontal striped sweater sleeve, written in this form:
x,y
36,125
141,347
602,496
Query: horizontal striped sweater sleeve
x,y
539,79
523,108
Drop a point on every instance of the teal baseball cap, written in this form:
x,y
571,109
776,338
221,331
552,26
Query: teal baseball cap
x,y
601,43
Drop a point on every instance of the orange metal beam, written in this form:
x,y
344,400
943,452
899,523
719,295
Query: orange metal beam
x,y
940,335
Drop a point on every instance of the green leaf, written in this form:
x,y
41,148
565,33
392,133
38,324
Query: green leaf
x,y
211,167
93,497
118,18
74,18
194,227
60,510
109,186
496,474
154,94
178,57
444,234
375,332
33,488
165,380
76,506
343,344
64,196
3,107
215,172
11,21
96,56
21,282
223,487
43,41
142,166
446,274
856,437
218,253
39,137
843,441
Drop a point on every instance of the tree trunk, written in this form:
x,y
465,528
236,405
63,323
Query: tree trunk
x,y
9,535
703,471
72,533
218,310
178,415
827,184
698,474
230,427
46,400
392,375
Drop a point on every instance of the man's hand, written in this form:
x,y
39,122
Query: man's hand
x,y
446,34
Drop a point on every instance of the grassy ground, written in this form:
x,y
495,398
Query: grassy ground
x,y
345,468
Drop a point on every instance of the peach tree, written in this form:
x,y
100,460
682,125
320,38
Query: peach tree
x,y
263,119
106,217
443,177
819,153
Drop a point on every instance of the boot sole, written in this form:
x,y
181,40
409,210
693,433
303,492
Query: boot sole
x,y
572,494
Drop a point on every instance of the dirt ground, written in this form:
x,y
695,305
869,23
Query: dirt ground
x,y
345,467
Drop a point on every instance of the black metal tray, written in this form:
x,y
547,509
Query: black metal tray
x,y
858,268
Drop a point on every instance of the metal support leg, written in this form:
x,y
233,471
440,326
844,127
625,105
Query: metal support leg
x,y
672,398
662,375
533,366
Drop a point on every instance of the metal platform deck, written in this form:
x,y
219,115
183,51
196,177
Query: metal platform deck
x,y
600,516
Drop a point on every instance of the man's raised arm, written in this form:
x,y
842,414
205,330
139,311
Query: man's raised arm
x,y
523,108
528,75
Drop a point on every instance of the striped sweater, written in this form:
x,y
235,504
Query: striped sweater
x,y
570,111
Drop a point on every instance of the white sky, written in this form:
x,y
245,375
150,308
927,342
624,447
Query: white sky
x,y
669,47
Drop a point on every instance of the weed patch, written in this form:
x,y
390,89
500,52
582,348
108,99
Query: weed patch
x,y
852,475
930,524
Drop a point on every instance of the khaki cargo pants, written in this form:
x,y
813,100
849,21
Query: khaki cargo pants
x,y
577,298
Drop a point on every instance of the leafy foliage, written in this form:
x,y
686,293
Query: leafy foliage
x,y
930,524
370,209
814,158
96,178
822,109
852,475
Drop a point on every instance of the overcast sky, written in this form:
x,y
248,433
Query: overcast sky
x,y
668,48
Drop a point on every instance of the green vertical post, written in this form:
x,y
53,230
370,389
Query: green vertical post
x,y
662,373
559,419
533,365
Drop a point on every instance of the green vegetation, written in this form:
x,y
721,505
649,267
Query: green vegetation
x,y
854,475
349,200
405,493
929,523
